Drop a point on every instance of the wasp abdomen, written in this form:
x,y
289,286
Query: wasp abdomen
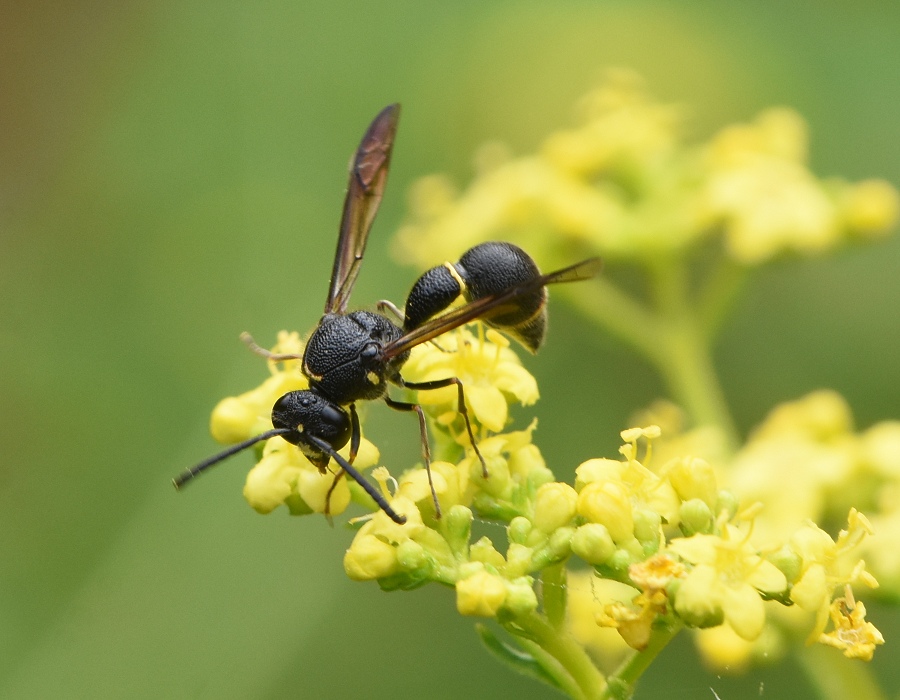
x,y
433,292
484,270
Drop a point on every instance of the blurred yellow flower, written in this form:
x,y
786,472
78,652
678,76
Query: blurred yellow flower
x,y
727,578
623,183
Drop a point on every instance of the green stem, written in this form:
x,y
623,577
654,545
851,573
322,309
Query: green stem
x,y
837,679
686,364
621,683
718,295
570,655
620,314
675,339
554,589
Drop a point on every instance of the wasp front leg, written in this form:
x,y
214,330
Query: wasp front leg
x,y
355,438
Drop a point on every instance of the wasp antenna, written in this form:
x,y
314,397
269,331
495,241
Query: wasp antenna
x,y
188,474
247,339
358,478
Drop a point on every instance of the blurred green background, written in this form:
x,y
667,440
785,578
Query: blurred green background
x,y
171,173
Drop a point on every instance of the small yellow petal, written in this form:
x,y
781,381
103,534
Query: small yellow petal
x,y
481,594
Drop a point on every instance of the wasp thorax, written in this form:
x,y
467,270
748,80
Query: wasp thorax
x,y
344,356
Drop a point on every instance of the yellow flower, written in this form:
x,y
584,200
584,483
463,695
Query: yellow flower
x,y
727,577
237,418
554,506
852,634
869,207
587,596
373,552
284,475
796,462
621,183
489,370
629,482
827,564
482,594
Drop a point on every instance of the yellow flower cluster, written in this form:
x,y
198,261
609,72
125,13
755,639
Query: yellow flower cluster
x,y
674,536
490,371
806,463
282,475
623,184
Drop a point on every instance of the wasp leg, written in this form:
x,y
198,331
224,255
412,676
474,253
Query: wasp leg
x,y
386,305
426,450
461,409
355,436
374,493
268,354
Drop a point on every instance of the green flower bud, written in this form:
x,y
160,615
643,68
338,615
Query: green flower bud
x,y
518,529
457,528
727,502
592,543
411,556
560,544
625,556
557,548
483,550
788,562
646,525
696,516
518,560
554,506
520,596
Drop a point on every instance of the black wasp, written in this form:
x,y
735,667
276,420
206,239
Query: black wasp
x,y
353,356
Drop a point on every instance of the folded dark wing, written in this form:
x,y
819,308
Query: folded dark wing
x,y
368,176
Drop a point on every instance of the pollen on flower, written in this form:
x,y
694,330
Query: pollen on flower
x,y
657,572
852,634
